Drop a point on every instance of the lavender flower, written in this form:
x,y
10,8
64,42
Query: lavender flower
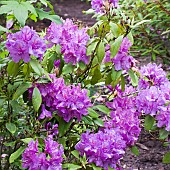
x,y
125,117
163,118
45,113
150,100
165,89
152,75
52,130
100,5
73,41
122,61
33,159
69,101
24,43
103,148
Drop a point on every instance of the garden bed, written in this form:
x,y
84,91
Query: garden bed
x,y
151,150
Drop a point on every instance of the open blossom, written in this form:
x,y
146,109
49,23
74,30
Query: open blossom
x,y
150,100
33,159
103,148
69,101
25,43
124,116
122,60
165,89
100,5
73,41
163,118
152,75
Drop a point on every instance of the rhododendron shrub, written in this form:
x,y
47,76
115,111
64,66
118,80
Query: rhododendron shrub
x,y
53,115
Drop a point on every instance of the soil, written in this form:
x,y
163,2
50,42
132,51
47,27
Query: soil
x,y
151,150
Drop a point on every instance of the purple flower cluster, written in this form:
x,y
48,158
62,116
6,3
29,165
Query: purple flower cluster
x,y
103,148
150,100
152,75
107,146
25,43
125,117
163,118
69,101
122,61
73,41
50,159
100,5
154,94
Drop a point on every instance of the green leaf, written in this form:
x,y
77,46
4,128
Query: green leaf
x,y
36,99
96,77
51,60
114,47
92,113
42,14
139,23
163,134
21,89
30,7
116,74
115,29
10,143
3,29
44,2
13,68
91,47
16,154
26,140
166,158
130,37
21,13
100,52
102,108
95,167
133,77
135,150
8,6
68,68
36,66
99,122
88,120
63,126
71,166
149,122
75,153
2,100
11,127
122,83
108,78
82,65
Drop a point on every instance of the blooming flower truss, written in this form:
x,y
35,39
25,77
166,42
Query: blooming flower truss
x,y
50,159
124,116
100,6
103,148
154,94
165,89
122,61
73,41
69,101
150,100
25,43
152,75
163,118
